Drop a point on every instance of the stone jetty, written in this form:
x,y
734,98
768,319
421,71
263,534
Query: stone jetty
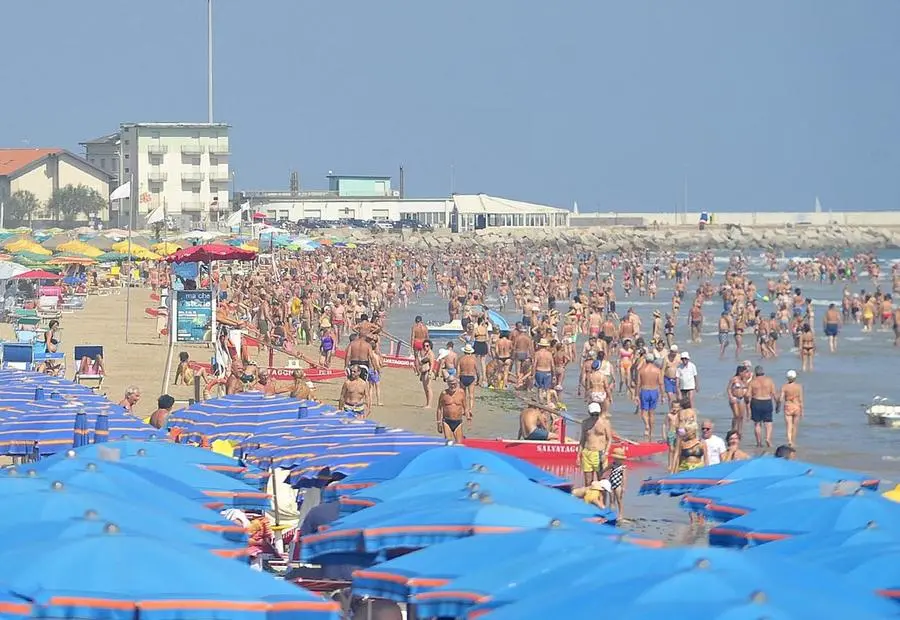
x,y
626,238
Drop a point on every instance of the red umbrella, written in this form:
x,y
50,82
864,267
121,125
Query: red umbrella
x,y
209,252
37,274
259,216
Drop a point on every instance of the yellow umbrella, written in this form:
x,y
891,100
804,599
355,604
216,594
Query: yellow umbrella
x,y
79,247
893,495
166,247
137,251
26,245
248,247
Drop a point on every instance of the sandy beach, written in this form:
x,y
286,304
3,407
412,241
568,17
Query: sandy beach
x,y
140,360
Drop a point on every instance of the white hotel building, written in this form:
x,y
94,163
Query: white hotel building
x,y
182,167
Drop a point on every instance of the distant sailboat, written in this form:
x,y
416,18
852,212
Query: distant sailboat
x,y
818,205
575,208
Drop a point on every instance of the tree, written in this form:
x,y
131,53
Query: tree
x,y
21,207
73,200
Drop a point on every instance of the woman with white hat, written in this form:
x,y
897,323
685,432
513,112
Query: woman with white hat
x,y
791,398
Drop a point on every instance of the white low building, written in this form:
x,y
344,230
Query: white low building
x,y
461,211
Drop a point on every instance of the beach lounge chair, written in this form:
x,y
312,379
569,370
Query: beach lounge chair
x,y
71,303
94,372
18,355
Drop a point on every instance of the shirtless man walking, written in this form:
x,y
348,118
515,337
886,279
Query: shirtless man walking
x,y
467,365
596,435
670,374
543,371
762,405
791,399
649,388
832,326
452,411
418,335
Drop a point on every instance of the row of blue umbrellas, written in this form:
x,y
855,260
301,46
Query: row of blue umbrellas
x,y
42,415
483,535
446,510
132,530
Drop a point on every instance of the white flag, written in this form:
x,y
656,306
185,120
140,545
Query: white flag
x,y
245,207
155,216
123,191
234,219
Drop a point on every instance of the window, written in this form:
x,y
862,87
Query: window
x,y
102,164
127,156
127,142
127,170
195,189
154,135
213,161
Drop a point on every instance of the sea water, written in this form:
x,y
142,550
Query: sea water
x,y
834,429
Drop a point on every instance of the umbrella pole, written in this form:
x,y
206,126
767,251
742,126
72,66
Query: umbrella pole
x,y
275,496
128,293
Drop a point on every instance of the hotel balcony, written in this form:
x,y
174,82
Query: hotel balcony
x,y
158,177
194,205
219,151
192,177
191,149
219,177
157,149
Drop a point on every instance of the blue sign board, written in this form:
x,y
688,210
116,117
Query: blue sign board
x,y
195,315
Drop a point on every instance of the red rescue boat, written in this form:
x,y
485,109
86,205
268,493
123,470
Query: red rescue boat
x,y
556,452
389,361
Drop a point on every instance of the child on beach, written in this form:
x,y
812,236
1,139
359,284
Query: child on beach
x,y
617,475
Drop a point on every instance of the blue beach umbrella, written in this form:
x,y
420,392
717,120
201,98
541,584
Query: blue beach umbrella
x,y
113,479
728,501
81,430
805,516
414,464
454,485
408,528
357,443
55,500
717,581
732,471
804,544
120,576
304,473
67,529
171,453
437,565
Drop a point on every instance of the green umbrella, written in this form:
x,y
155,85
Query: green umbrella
x,y
112,257
31,257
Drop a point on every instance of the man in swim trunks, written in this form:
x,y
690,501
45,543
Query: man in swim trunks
x,y
418,335
596,435
670,374
360,353
762,405
448,362
543,370
503,350
467,366
832,326
452,411
534,425
355,394
649,388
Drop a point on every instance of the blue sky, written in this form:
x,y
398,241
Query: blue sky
x,y
761,105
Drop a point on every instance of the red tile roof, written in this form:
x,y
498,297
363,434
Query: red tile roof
x,y
12,160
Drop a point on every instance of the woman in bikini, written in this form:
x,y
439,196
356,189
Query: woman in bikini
x,y
737,397
807,342
791,397
626,359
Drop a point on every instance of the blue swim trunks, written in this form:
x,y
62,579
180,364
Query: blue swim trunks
x,y
543,380
670,384
649,400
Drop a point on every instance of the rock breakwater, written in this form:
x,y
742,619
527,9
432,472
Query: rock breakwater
x,y
622,238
